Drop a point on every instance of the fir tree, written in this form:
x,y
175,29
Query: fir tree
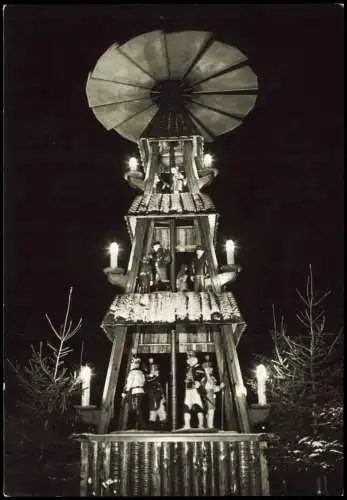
x,y
305,389
49,386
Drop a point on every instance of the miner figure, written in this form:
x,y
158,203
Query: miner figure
x,y
177,180
156,397
182,279
199,268
210,388
192,400
159,259
134,391
144,278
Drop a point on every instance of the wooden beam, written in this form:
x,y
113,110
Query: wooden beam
x,y
227,397
111,379
173,379
152,167
235,375
264,470
190,168
207,243
136,253
173,254
149,237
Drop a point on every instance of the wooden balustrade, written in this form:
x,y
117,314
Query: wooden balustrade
x,y
178,464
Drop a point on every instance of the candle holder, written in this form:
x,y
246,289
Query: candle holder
x,y
135,179
229,273
87,415
258,414
206,176
116,276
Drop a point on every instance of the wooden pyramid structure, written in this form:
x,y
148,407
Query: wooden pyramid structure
x,y
170,93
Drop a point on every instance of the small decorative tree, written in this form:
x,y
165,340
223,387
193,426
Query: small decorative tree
x,y
305,388
48,385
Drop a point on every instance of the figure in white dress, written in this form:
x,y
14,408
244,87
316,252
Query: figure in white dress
x,y
192,400
134,390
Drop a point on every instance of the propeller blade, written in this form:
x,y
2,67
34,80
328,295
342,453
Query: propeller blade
x,y
237,79
101,92
237,105
148,52
115,66
113,115
215,121
133,127
216,58
182,50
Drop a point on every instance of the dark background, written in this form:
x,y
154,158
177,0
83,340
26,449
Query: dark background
x,y
279,192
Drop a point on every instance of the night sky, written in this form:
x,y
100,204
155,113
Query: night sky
x,y
280,186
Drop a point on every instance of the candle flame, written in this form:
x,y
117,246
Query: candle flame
x,y
85,373
133,163
230,245
113,247
261,373
208,160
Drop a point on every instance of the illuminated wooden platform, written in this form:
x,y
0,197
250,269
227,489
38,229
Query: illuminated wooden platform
x,y
171,307
142,463
164,204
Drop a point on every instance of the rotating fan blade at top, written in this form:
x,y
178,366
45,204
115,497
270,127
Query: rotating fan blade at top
x,y
160,85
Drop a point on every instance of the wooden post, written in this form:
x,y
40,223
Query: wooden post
x,y
235,375
149,237
192,178
84,468
152,168
173,254
229,406
264,471
111,378
207,243
174,382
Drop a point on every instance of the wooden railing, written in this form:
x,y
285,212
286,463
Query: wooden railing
x,y
178,464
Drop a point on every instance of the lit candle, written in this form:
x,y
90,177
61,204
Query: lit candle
x,y
261,381
133,163
208,160
230,247
85,375
113,249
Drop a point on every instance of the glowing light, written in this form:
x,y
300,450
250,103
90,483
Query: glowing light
x,y
261,374
85,376
208,160
133,163
230,249
113,250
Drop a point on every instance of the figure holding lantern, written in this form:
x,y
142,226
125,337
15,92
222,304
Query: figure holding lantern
x,y
159,260
199,269
156,396
210,388
192,399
